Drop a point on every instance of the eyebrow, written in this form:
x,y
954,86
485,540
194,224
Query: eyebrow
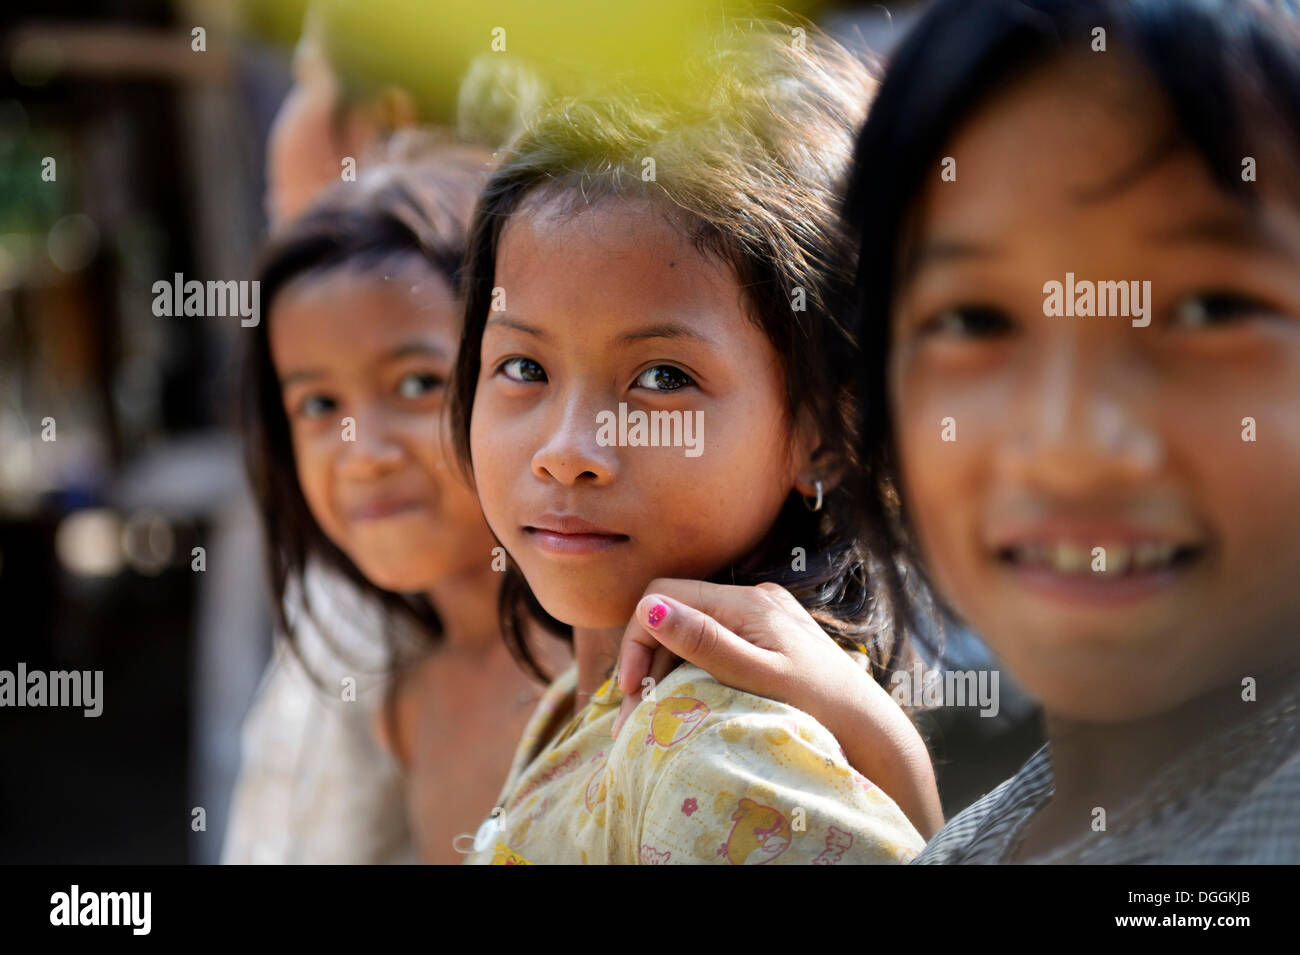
x,y
1234,231
415,348
294,377
505,321
1231,231
672,331
937,251
406,350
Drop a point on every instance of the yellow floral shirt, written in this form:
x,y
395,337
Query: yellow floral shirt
x,y
702,773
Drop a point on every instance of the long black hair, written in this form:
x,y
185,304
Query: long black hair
x,y
753,169
418,207
1228,69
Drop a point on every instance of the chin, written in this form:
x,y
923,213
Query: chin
x,y
399,584
578,609
401,578
1103,690
1110,706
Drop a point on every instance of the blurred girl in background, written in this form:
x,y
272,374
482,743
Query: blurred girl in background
x,y
343,419
348,773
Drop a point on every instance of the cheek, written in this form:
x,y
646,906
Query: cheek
x,y
314,465
932,495
459,502
1250,495
940,447
718,505
496,455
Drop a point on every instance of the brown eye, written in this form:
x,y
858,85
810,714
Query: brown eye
x,y
314,406
418,384
522,369
970,321
1210,309
663,378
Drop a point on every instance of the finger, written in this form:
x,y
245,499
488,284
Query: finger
x,y
745,611
702,640
641,656
662,664
625,709
636,653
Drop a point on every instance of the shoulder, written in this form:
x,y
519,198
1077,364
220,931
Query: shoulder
x,y
712,773
313,783
1263,827
990,820
689,706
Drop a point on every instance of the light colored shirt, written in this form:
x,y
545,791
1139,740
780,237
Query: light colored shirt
x,y
700,774
314,785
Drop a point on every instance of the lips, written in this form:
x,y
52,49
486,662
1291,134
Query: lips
x,y
1107,559
1097,561
380,508
568,534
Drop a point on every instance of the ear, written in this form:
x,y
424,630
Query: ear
x,y
812,460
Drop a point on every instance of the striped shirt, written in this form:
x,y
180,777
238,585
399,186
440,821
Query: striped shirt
x,y
1234,799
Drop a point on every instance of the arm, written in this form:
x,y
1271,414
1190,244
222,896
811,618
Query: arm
x,y
760,640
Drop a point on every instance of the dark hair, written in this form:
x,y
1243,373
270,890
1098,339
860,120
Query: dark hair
x,y
1229,70
750,162
417,208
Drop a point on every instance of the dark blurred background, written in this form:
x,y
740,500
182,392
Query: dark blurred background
x,y
158,157
158,170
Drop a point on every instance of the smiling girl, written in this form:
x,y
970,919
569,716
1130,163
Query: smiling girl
x,y
701,288
1119,513
345,427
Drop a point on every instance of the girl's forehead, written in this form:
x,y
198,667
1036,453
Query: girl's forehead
x,y
614,273
602,238
1051,155
400,278
1073,126
351,310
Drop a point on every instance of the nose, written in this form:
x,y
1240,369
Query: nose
x,y
372,446
1082,420
569,453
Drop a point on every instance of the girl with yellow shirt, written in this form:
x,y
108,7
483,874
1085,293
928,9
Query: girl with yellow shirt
x,y
650,384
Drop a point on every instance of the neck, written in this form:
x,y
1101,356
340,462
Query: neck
x,y
596,652
1109,764
1095,762
467,606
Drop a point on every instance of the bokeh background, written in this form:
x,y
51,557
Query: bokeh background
x,y
159,152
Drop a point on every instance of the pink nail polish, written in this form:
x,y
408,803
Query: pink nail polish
x,y
657,614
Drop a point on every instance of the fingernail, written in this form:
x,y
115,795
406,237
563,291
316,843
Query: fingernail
x,y
657,614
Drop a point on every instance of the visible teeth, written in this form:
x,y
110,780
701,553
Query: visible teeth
x,y
1072,558
1117,559
1148,555
1033,554
1069,558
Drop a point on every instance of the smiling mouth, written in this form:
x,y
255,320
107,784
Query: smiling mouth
x,y
1114,560
1080,574
380,510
